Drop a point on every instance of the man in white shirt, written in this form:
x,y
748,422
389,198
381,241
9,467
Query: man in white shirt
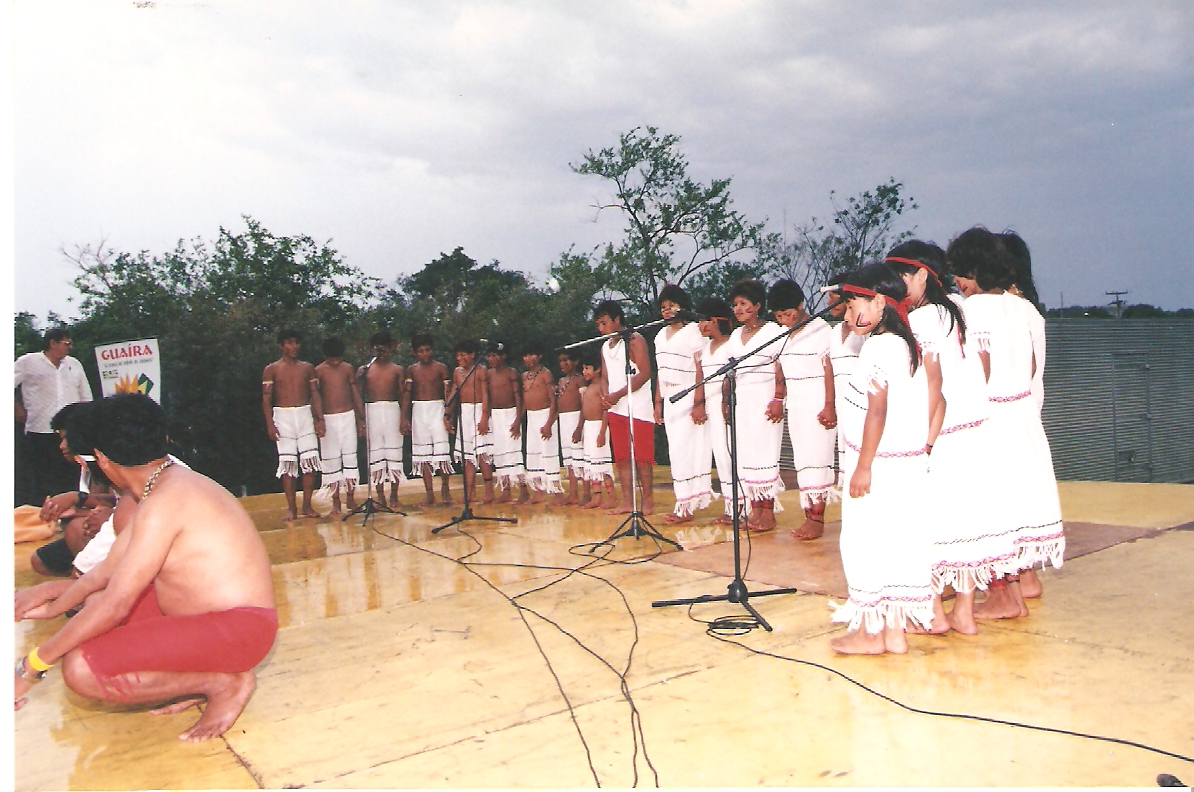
x,y
46,382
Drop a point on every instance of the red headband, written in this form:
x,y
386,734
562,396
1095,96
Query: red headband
x,y
900,307
915,263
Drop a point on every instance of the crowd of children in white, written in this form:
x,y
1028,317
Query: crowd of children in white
x,y
918,406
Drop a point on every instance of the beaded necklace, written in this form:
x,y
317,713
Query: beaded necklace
x,y
154,478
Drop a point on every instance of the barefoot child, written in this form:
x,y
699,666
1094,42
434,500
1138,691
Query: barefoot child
x,y
344,422
844,345
626,400
689,450
505,406
572,451
999,331
716,331
760,407
473,433
811,412
542,454
966,538
598,468
293,420
427,382
885,550
385,399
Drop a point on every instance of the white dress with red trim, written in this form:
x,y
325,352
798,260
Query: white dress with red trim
x,y
689,451
802,358
885,543
758,438
1021,464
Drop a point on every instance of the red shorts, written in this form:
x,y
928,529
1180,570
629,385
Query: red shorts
x,y
619,439
228,641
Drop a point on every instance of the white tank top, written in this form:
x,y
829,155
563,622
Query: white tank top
x,y
614,360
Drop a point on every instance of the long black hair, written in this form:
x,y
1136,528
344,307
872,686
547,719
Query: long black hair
x,y
933,257
882,279
979,254
1017,250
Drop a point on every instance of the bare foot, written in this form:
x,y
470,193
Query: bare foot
x,y
1030,584
311,514
486,500
620,510
177,706
961,618
592,503
1000,604
673,518
648,506
394,504
859,642
939,626
224,706
335,512
290,517
724,519
812,529
429,499
894,640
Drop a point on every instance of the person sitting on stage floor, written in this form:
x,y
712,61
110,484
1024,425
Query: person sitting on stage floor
x,y
543,452
625,399
475,438
427,384
293,420
505,413
188,610
385,404
572,451
344,422
598,463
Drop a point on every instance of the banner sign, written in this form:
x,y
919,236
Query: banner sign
x,y
130,367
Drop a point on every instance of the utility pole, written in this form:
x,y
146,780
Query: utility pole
x,y
1117,302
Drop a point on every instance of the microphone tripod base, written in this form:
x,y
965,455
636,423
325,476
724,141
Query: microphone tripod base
x,y
466,515
636,527
371,507
736,593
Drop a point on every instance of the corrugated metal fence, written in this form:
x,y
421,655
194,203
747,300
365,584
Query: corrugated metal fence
x,y
1119,399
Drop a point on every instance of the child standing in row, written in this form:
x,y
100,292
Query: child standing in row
x,y
293,420
384,407
592,434
344,422
716,331
572,452
627,397
542,451
811,412
884,546
506,410
427,383
689,449
471,390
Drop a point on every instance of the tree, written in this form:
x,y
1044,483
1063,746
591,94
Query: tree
x,y
860,231
675,226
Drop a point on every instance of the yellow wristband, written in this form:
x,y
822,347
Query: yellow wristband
x,y
36,663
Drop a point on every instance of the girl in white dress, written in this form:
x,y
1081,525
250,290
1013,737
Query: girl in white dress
x,y
968,541
689,449
999,331
715,327
759,411
844,346
811,411
884,544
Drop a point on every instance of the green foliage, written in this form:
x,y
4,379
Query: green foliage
x,y
27,335
860,231
675,226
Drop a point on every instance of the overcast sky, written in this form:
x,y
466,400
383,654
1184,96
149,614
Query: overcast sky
x,y
400,130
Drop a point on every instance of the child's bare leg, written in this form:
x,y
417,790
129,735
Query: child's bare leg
x,y
1003,601
894,640
335,501
445,492
350,500
859,642
394,504
524,494
428,486
308,491
646,475
762,516
814,523
288,489
940,624
961,618
507,490
624,507
470,477
586,493
1030,584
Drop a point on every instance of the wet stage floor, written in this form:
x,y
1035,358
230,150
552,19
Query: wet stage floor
x,y
507,655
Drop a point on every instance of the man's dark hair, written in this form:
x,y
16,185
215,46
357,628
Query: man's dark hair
x,y
63,417
381,338
533,347
467,345
56,334
785,295
333,347
610,308
129,428
421,340
288,334
673,293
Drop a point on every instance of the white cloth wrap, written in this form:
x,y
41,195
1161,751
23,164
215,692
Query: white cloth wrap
x,y
572,454
599,461
338,451
430,448
802,358
543,454
507,450
382,422
298,447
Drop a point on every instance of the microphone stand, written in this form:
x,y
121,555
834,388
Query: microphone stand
x,y
635,525
737,591
369,507
466,513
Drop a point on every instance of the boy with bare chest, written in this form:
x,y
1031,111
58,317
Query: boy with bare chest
x,y
344,422
428,382
599,463
385,398
542,454
505,409
475,438
293,420
572,451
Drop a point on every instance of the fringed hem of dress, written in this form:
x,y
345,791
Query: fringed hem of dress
x,y
543,482
1042,552
815,496
751,491
963,578
331,488
380,473
873,618
692,504
437,466
307,463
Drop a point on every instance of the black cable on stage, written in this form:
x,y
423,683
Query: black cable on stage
x,y
639,738
734,625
